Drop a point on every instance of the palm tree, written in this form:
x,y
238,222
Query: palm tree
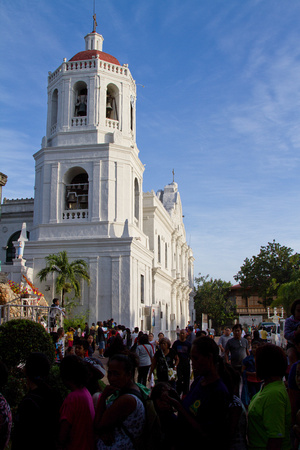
x,y
68,273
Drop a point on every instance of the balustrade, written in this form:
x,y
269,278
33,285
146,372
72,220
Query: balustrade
x,y
90,64
76,215
111,123
79,121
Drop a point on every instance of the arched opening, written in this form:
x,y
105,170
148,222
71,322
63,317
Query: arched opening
x,y
136,199
112,102
10,248
131,112
80,99
77,189
54,107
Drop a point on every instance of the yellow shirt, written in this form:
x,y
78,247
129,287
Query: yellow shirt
x,y
264,334
70,335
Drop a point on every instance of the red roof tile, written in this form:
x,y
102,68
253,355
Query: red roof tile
x,y
88,54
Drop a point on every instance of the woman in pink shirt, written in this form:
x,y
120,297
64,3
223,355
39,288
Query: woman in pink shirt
x,y
77,412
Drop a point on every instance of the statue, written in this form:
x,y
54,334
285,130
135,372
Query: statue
x,y
21,241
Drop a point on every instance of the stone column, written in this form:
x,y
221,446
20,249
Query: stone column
x,y
94,306
95,193
115,288
54,200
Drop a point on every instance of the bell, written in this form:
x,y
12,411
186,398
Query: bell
x,y
108,106
82,109
72,197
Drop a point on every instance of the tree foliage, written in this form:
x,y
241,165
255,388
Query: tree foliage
x,y
68,274
287,294
20,337
212,298
265,273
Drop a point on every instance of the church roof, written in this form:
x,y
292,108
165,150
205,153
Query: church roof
x,y
88,54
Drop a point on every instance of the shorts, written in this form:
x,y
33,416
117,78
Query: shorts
x,y
101,345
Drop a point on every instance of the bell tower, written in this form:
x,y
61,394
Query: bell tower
x,y
89,183
88,171
91,98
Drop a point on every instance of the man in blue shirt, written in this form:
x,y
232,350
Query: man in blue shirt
x,y
183,348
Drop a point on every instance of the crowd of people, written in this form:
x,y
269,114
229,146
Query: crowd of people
x,y
235,392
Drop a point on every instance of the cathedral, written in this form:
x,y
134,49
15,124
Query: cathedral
x,y
89,201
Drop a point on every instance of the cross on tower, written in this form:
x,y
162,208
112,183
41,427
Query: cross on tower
x,y
95,23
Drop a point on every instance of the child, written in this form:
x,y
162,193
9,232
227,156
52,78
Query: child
x,y
160,395
237,415
70,336
91,345
96,372
81,348
58,347
61,334
251,384
77,412
70,351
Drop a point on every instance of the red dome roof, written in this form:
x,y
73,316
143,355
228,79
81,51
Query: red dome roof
x,y
88,54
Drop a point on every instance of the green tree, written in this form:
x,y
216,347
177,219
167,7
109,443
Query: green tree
x,y
287,294
213,298
68,274
265,273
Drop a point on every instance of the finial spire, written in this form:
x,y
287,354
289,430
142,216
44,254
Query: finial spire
x,y
173,172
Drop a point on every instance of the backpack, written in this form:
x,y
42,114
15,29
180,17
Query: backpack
x,y
152,435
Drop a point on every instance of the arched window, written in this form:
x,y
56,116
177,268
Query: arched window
x,y
77,189
112,102
80,99
10,249
54,107
131,117
136,199
131,112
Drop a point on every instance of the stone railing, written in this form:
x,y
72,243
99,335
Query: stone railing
x,y
80,121
76,215
110,123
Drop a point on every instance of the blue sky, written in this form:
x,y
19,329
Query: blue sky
x,y
221,105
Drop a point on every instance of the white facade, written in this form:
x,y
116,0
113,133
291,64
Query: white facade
x,y
89,200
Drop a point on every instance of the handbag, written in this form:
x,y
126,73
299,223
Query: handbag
x,y
172,374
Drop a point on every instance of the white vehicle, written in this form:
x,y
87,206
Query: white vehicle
x,y
275,333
